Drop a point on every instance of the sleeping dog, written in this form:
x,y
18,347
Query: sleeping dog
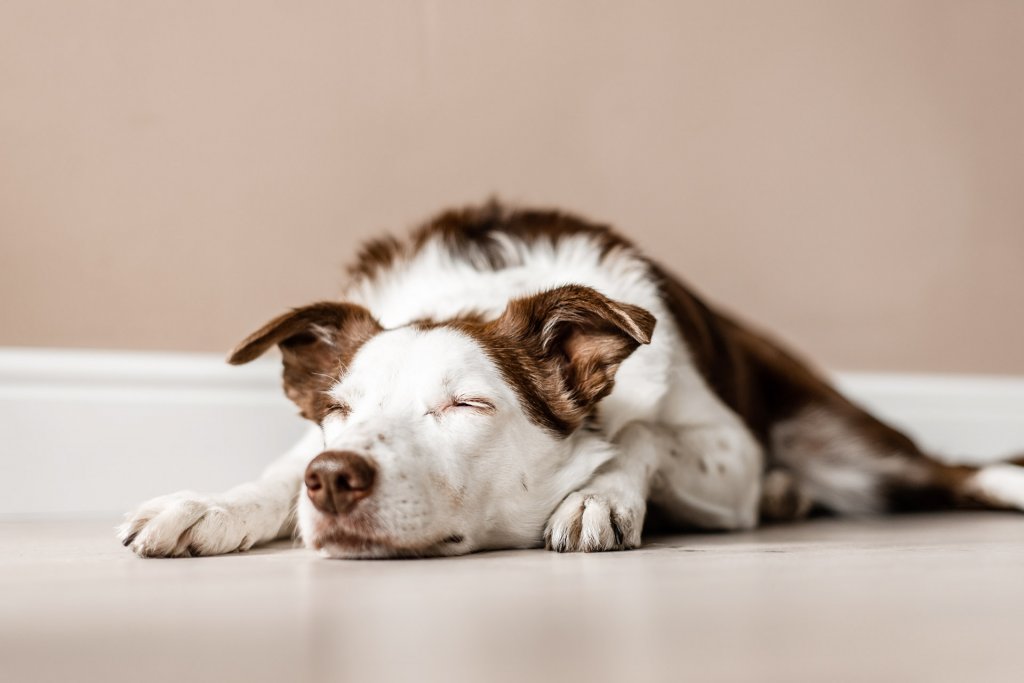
x,y
511,378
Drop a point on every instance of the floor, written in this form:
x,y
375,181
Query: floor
x,y
931,598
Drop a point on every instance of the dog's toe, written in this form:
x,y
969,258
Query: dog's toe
x,y
591,522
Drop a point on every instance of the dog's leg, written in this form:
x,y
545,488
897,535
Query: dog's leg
x,y
783,499
185,524
706,475
851,463
608,513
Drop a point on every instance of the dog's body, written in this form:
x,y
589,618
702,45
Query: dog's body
x,y
470,396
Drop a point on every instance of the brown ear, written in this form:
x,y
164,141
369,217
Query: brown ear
x,y
580,338
317,343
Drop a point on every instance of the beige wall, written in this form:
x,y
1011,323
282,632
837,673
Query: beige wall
x,y
851,174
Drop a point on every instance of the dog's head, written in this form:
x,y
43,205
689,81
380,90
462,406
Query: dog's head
x,y
447,437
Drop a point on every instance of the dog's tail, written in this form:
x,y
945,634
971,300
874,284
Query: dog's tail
x,y
998,485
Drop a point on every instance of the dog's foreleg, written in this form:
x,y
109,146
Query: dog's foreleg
x,y
186,524
608,513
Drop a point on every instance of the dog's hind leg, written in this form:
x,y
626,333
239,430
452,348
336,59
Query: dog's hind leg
x,y
186,524
849,462
783,499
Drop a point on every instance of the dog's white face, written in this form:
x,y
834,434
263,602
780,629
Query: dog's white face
x,y
443,438
458,464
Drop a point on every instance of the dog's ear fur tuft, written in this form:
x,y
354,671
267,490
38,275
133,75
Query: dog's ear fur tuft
x,y
317,343
581,335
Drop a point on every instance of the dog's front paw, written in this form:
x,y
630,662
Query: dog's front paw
x,y
185,524
592,522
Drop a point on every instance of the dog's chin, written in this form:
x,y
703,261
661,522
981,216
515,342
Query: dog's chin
x,y
341,544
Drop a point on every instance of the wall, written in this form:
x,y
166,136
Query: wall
x,y
846,173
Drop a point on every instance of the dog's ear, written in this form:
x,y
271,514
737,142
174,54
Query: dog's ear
x,y
579,335
317,343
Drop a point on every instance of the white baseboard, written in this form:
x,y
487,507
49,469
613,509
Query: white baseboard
x,y
94,431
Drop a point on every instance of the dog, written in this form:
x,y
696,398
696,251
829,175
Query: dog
x,y
516,378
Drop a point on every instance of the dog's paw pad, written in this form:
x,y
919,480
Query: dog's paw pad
x,y
591,522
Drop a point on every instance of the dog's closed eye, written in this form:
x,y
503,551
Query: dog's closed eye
x,y
466,403
339,410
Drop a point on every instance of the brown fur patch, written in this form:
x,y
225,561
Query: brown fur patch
x,y
376,256
317,344
560,350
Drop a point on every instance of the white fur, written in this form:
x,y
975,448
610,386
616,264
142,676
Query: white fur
x,y
494,479
1000,485
491,479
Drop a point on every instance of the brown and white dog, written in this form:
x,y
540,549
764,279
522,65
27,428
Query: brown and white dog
x,y
517,378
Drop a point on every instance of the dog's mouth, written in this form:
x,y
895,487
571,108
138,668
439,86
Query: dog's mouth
x,y
342,543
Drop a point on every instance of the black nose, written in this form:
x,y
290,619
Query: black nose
x,y
337,480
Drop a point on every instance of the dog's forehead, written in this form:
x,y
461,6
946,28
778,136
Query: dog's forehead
x,y
418,358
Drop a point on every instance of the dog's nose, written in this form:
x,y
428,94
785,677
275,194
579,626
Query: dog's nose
x,y
337,480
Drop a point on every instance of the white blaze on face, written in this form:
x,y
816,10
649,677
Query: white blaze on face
x,y
460,466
